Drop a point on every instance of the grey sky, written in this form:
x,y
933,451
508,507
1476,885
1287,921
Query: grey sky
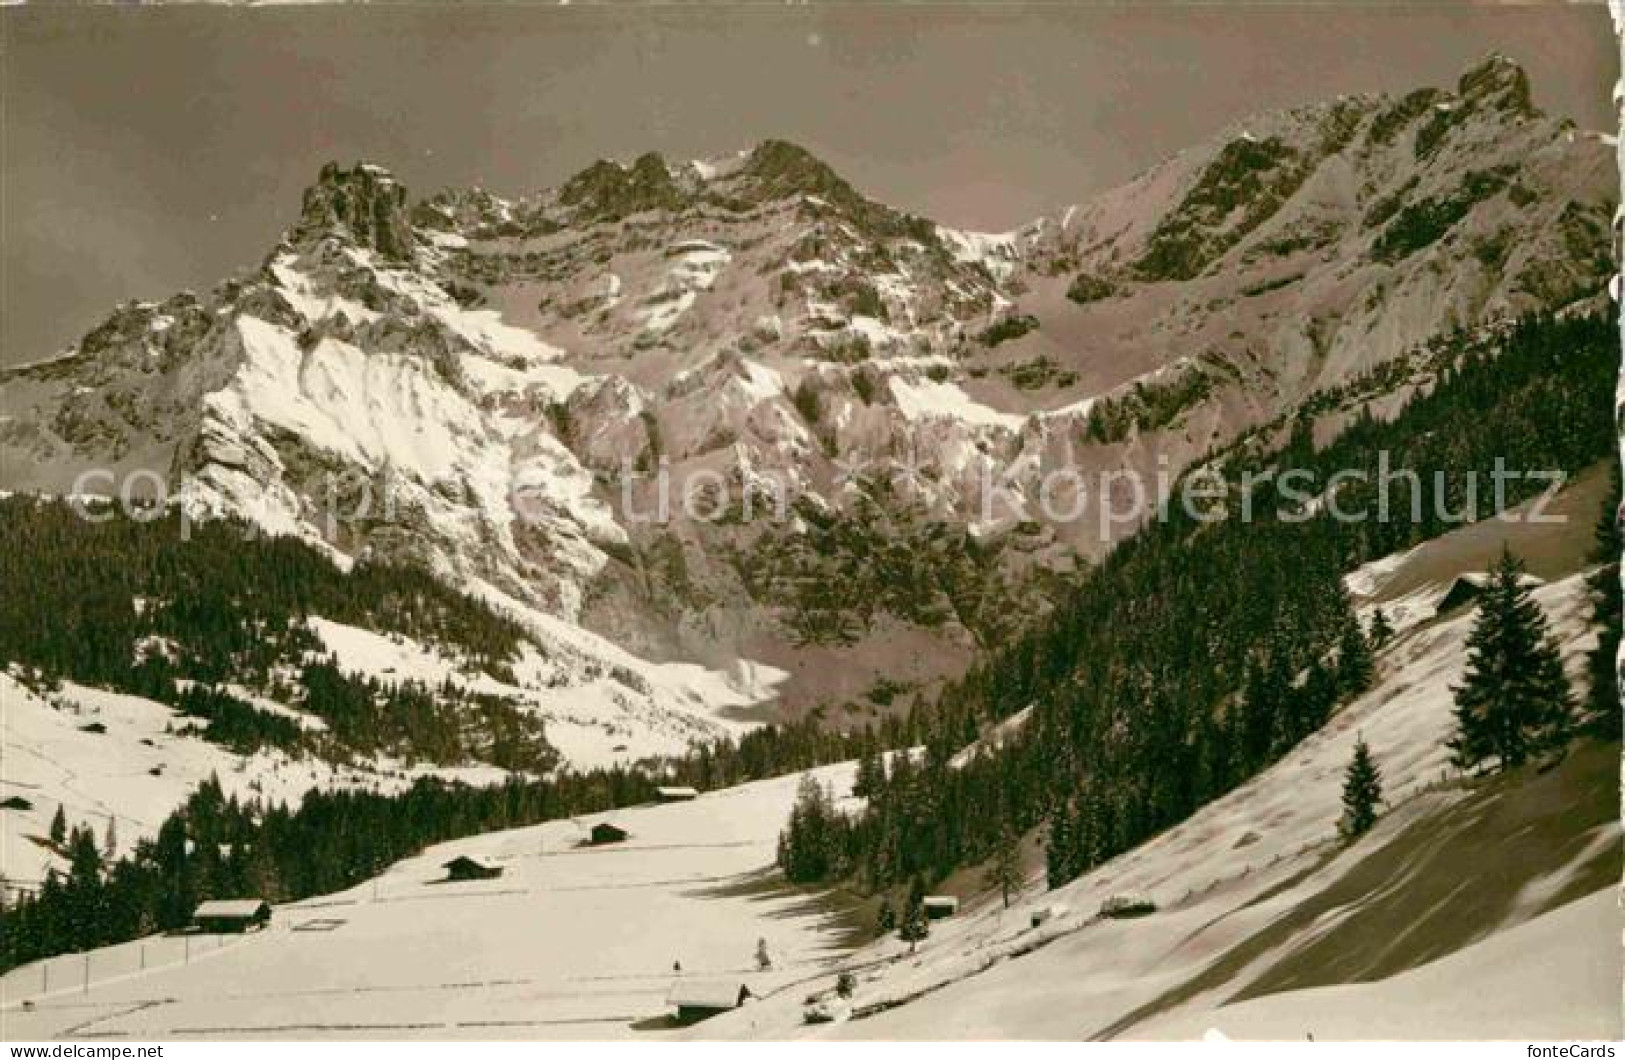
x,y
147,150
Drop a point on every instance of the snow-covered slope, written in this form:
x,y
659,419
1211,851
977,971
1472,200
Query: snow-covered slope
x,y
571,941
1554,977
1481,909
105,757
496,389
1255,895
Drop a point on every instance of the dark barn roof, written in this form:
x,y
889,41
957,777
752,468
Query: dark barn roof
x,y
466,867
608,832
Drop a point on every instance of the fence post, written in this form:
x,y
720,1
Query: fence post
x,y
87,971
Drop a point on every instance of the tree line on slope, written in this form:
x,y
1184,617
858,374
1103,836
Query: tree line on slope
x,y
234,601
136,606
1199,652
218,846
132,603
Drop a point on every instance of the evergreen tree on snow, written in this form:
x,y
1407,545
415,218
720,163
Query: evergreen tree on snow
x,y
810,847
885,919
1514,700
1318,697
1354,667
59,827
915,926
1382,631
1603,703
1004,871
1362,793
1263,700
1059,851
871,777
86,900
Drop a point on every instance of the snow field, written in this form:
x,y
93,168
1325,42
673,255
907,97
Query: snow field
x,y
1221,877
569,942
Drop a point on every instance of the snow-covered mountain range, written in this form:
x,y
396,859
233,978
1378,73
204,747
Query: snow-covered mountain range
x,y
497,388
727,441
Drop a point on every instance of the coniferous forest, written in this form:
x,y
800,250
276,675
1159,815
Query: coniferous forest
x,y
156,608
1200,651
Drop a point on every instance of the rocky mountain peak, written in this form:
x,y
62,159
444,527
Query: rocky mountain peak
x,y
1498,81
366,201
609,191
778,169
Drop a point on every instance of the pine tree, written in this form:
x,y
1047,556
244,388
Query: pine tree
x,y
1263,701
1362,793
85,897
1317,697
871,779
1059,854
885,919
915,925
1603,702
1354,666
1382,631
110,840
1514,700
1004,872
59,827
810,845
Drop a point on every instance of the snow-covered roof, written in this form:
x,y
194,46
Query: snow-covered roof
x,y
677,792
231,908
715,993
941,901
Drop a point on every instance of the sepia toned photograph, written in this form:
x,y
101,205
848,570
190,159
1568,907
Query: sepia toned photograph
x,y
827,523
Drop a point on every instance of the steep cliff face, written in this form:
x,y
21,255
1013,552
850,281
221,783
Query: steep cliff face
x,y
827,385
366,201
